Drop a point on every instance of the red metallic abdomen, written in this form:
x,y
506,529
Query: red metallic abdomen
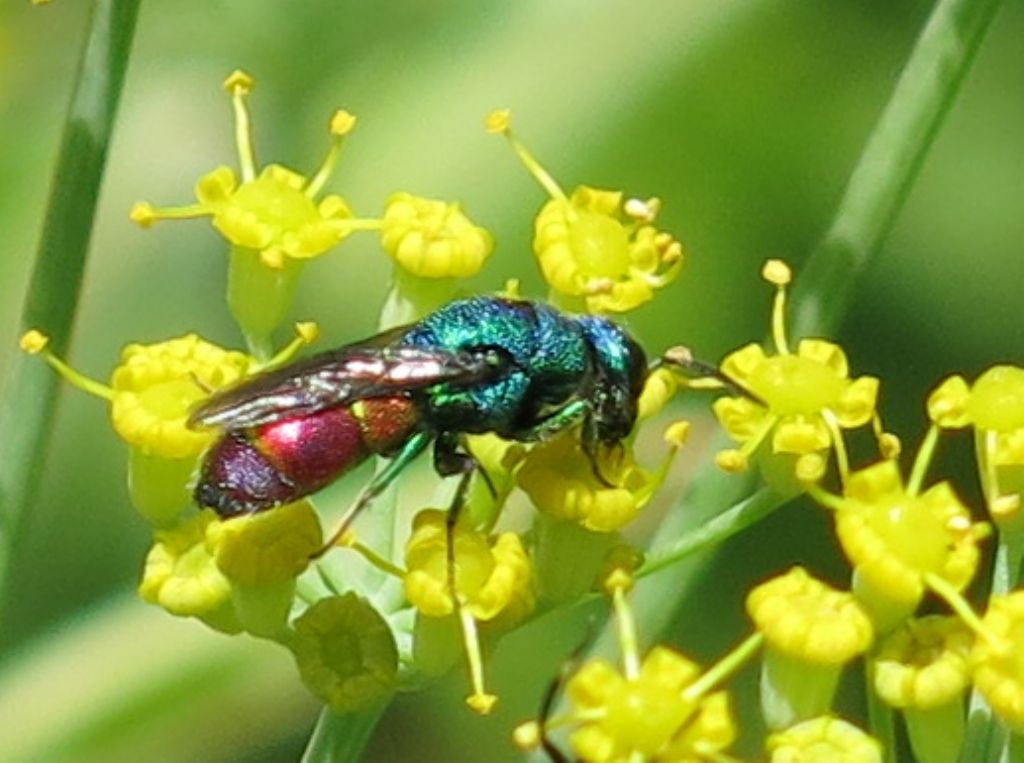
x,y
252,470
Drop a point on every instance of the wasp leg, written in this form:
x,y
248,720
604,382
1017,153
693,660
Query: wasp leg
x,y
557,422
450,459
416,445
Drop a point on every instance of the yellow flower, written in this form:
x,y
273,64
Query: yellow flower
x,y
156,386
994,406
346,653
823,740
493,583
595,246
651,714
923,664
181,574
811,630
806,619
997,664
492,575
561,480
798,403
274,212
433,239
268,547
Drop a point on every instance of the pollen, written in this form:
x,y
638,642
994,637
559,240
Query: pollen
x,y
239,82
498,121
342,122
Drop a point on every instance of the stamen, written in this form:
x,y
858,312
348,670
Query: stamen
x,y
959,605
145,214
888,444
341,125
838,444
34,342
924,458
722,669
825,498
349,540
618,583
499,123
306,333
240,84
990,472
773,273
480,701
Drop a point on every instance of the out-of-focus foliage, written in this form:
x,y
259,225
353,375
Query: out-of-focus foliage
x,y
744,117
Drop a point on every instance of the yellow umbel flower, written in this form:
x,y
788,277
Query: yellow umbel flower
x,y
923,664
994,406
492,575
563,481
811,630
156,386
650,714
798,403
661,708
901,540
181,575
823,740
997,662
492,579
346,653
268,547
592,245
922,667
273,212
433,239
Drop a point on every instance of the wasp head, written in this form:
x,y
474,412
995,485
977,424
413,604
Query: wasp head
x,y
620,370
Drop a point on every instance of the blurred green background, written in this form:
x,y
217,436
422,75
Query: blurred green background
x,y
744,117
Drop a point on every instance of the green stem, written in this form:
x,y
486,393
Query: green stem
x,y
881,719
889,164
340,738
55,282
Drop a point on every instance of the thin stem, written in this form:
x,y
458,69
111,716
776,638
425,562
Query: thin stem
x,y
922,461
716,530
51,302
340,738
725,667
889,164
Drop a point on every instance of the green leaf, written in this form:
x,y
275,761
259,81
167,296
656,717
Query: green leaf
x,y
52,298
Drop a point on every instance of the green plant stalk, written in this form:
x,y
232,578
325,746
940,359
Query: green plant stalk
x,y
338,738
874,195
27,408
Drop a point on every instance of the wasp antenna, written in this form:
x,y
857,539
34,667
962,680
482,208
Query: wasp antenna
x,y
488,482
682,358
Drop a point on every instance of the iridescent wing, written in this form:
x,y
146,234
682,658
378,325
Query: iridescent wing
x,y
343,376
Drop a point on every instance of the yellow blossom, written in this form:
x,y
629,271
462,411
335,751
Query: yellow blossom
x,y
492,575
923,664
346,653
997,664
562,481
594,245
823,740
797,403
651,714
903,541
994,407
155,387
273,212
809,620
433,239
268,547
181,574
